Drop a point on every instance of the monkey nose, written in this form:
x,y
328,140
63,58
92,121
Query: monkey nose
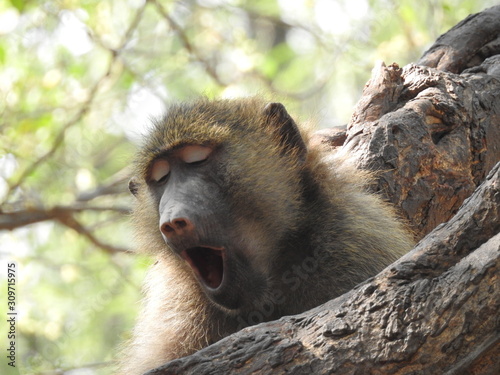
x,y
177,227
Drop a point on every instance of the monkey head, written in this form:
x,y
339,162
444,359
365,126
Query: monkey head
x,y
218,187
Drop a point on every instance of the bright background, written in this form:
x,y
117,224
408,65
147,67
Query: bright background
x,y
79,81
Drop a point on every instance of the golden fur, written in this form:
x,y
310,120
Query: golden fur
x,y
352,235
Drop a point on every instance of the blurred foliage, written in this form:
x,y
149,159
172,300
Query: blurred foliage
x,y
78,82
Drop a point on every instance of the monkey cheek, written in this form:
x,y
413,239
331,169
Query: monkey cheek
x,y
240,288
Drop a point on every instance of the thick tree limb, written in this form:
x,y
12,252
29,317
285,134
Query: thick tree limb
x,y
430,136
467,44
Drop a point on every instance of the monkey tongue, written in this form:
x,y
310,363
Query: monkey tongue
x,y
207,263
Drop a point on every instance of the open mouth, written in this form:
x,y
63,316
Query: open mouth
x,y
207,263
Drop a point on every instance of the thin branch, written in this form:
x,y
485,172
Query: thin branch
x,y
61,135
65,216
85,108
70,221
299,95
112,185
187,43
116,51
20,218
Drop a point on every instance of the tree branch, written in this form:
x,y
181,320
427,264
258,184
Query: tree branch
x,y
187,43
64,215
20,218
467,44
70,221
84,109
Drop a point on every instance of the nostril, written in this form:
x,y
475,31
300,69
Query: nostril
x,y
167,228
179,226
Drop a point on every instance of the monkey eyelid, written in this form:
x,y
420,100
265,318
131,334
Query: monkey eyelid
x,y
193,154
189,154
159,171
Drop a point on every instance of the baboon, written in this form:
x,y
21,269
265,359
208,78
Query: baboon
x,y
246,224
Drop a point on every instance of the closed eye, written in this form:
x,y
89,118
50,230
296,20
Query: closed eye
x,y
195,154
198,162
160,171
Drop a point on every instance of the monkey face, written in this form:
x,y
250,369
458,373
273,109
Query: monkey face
x,y
196,221
225,191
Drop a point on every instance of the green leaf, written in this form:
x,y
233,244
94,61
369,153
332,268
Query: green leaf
x,y
19,4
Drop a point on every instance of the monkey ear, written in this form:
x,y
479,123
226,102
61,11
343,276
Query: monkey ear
x,y
133,186
287,130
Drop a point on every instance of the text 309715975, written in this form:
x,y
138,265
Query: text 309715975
x,y
11,314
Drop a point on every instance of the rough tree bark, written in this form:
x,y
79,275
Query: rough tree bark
x,y
431,132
